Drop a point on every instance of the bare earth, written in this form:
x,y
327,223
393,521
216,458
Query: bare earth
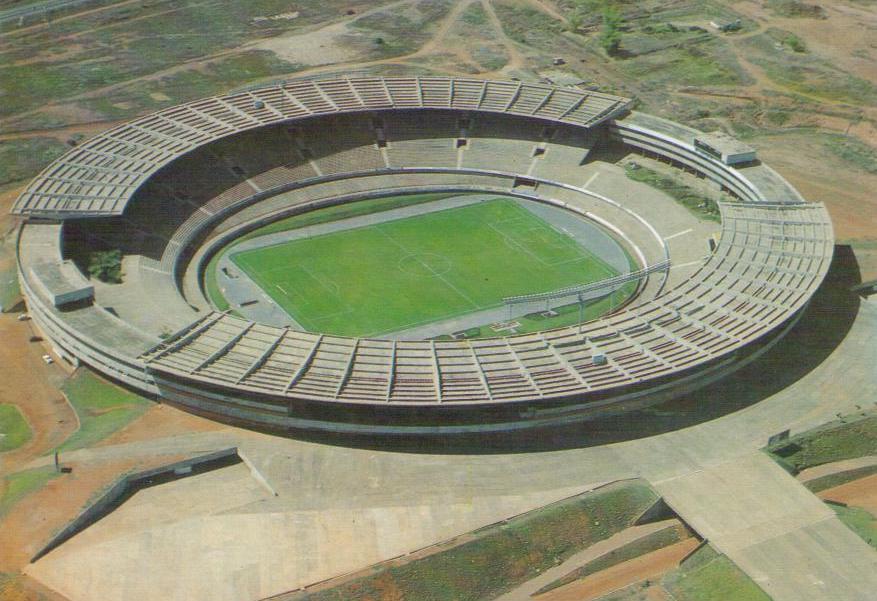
x,y
649,566
858,493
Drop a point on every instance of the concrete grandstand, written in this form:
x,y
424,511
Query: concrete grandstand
x,y
172,188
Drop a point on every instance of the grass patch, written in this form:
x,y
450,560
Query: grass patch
x,y
334,213
859,521
403,29
693,64
806,74
13,427
696,203
529,26
853,151
190,84
24,158
20,484
500,557
832,480
647,544
412,271
102,408
712,577
795,9
10,291
123,43
833,442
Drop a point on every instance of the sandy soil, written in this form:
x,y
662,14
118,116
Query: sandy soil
x,y
161,421
32,386
859,493
820,176
61,500
331,44
845,37
648,566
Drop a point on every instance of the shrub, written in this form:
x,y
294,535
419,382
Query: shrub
x,y
106,265
610,37
795,43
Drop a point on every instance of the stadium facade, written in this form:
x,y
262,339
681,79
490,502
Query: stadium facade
x,y
172,188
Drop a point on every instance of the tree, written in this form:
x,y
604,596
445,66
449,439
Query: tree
x,y
610,36
106,265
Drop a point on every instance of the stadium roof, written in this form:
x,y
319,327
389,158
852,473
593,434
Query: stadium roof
x,y
99,177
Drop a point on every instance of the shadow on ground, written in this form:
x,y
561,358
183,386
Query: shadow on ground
x,y
823,326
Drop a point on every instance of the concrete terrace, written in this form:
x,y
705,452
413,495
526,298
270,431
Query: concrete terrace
x,y
340,509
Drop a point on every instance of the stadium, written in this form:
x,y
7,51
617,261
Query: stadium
x,y
411,256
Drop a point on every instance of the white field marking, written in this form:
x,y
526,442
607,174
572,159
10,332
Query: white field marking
x,y
282,290
689,264
434,272
591,179
677,234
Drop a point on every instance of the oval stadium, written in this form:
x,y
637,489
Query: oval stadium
x,y
415,256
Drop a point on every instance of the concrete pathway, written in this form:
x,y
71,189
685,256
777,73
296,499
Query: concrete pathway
x,y
779,533
341,509
836,467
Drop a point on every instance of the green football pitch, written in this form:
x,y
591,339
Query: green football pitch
x,y
400,274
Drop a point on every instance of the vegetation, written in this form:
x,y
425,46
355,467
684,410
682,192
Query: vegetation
x,y
102,408
708,576
859,521
610,35
694,64
832,480
804,74
24,158
213,77
402,29
9,288
14,430
833,442
795,43
119,44
500,557
106,265
853,151
334,213
697,203
796,8
338,282
647,544
20,484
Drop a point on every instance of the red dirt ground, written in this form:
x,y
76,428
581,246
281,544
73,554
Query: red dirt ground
x,y
858,493
648,566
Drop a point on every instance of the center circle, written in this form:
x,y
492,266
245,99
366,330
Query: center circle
x,y
425,264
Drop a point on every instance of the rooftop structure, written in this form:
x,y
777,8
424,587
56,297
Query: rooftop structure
x,y
172,187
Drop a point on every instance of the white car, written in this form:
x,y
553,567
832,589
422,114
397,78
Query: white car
x,y
48,359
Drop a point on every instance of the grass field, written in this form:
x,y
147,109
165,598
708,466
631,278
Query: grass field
x,y
408,272
14,430
325,215
20,484
102,408
859,521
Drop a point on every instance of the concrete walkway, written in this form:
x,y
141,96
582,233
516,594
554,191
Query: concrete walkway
x,y
837,467
779,533
341,509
